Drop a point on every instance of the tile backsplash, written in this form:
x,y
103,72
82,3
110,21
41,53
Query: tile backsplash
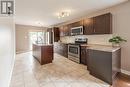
x,y
92,39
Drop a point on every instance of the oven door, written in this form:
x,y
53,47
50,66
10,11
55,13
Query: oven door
x,y
74,50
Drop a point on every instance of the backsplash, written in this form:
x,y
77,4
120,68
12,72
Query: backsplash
x,y
92,39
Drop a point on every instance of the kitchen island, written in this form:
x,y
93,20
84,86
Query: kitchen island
x,y
43,53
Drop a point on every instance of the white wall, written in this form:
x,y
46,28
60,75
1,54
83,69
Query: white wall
x,y
121,26
23,38
7,52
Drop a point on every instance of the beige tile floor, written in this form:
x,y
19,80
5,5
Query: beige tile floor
x,y
61,73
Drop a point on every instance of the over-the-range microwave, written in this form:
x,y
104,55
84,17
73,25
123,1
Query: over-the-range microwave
x,y
77,30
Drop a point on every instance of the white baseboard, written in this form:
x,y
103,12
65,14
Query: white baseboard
x,y
125,72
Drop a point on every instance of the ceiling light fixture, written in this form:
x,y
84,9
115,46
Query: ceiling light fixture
x,y
39,23
63,14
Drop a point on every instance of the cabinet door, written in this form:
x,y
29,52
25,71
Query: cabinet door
x,y
61,49
66,30
102,24
76,24
56,34
47,54
65,50
88,26
83,59
61,30
100,64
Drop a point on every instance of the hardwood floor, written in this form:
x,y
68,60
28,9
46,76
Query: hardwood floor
x,y
122,81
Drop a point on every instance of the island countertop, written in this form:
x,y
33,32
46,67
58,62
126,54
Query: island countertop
x,y
43,44
99,47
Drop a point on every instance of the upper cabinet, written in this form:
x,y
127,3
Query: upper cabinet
x,y
88,26
76,24
64,30
61,29
56,35
103,24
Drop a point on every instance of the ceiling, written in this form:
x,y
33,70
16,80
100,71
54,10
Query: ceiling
x,y
44,12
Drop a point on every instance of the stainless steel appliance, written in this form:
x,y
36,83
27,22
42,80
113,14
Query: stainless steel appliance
x,y
74,52
74,49
77,30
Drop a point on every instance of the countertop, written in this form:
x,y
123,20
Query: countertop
x,y
99,47
106,48
44,44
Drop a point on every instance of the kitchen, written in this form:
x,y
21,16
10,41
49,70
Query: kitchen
x,y
102,61
81,44
80,52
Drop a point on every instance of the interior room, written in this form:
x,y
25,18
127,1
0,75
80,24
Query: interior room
x,y
64,43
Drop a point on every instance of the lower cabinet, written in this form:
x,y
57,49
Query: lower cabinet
x,y
104,65
61,49
83,56
43,53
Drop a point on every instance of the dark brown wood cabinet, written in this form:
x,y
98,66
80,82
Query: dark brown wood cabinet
x,y
88,26
43,53
104,65
56,34
102,24
83,57
76,24
61,49
64,30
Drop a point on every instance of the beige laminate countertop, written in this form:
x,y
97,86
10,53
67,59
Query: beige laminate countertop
x,y
44,44
101,47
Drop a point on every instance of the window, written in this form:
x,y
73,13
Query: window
x,y
36,37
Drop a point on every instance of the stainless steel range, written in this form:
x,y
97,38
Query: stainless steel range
x,y
74,49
